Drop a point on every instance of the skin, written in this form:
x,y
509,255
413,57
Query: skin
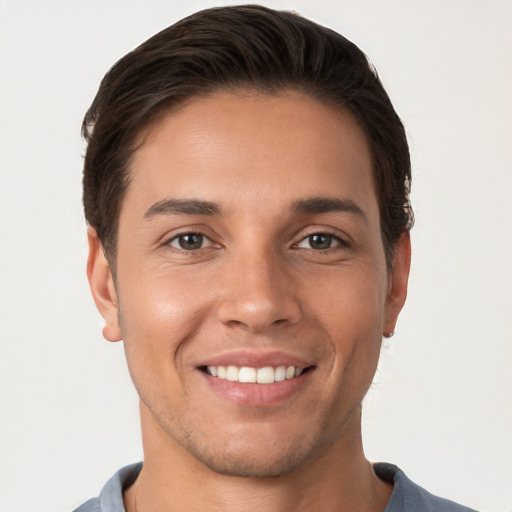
x,y
259,283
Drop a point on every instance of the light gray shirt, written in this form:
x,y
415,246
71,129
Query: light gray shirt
x,y
406,496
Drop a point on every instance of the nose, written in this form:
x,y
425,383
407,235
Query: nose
x,y
259,293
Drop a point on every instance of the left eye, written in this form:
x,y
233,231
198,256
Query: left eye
x,y
319,241
190,241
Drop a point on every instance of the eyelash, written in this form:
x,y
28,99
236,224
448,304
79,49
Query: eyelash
x,y
339,242
176,238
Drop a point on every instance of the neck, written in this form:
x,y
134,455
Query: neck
x,y
340,479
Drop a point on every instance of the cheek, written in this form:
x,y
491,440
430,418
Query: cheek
x,y
350,309
161,298
158,315
350,300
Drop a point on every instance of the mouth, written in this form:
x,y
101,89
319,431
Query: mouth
x,y
256,379
253,375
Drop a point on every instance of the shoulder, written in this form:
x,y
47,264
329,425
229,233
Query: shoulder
x,y
111,496
92,505
409,496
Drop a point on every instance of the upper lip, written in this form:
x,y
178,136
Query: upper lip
x,y
256,359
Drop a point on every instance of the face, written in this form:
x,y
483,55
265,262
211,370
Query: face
x,y
251,285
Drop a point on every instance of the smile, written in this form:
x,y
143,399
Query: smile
x,y
247,374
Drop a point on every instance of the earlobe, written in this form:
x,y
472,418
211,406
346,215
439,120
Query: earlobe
x,y
398,281
102,286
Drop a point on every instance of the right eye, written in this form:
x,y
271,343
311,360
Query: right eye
x,y
190,241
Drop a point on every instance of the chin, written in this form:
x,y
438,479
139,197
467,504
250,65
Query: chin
x,y
264,464
252,454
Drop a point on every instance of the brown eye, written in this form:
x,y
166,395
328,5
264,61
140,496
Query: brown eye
x,y
319,242
189,241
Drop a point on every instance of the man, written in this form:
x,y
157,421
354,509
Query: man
x,y
246,186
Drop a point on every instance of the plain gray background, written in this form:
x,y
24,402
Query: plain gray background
x,y
441,405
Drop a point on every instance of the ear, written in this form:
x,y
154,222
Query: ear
x,y
398,279
102,287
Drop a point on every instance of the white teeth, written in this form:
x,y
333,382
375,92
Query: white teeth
x,y
265,375
290,372
280,373
232,373
247,374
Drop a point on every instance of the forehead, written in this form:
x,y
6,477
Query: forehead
x,y
252,148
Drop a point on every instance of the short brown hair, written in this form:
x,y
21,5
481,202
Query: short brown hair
x,y
229,48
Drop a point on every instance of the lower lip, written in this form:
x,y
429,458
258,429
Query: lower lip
x,y
257,395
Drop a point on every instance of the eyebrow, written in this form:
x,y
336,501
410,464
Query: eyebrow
x,y
310,205
322,204
183,207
